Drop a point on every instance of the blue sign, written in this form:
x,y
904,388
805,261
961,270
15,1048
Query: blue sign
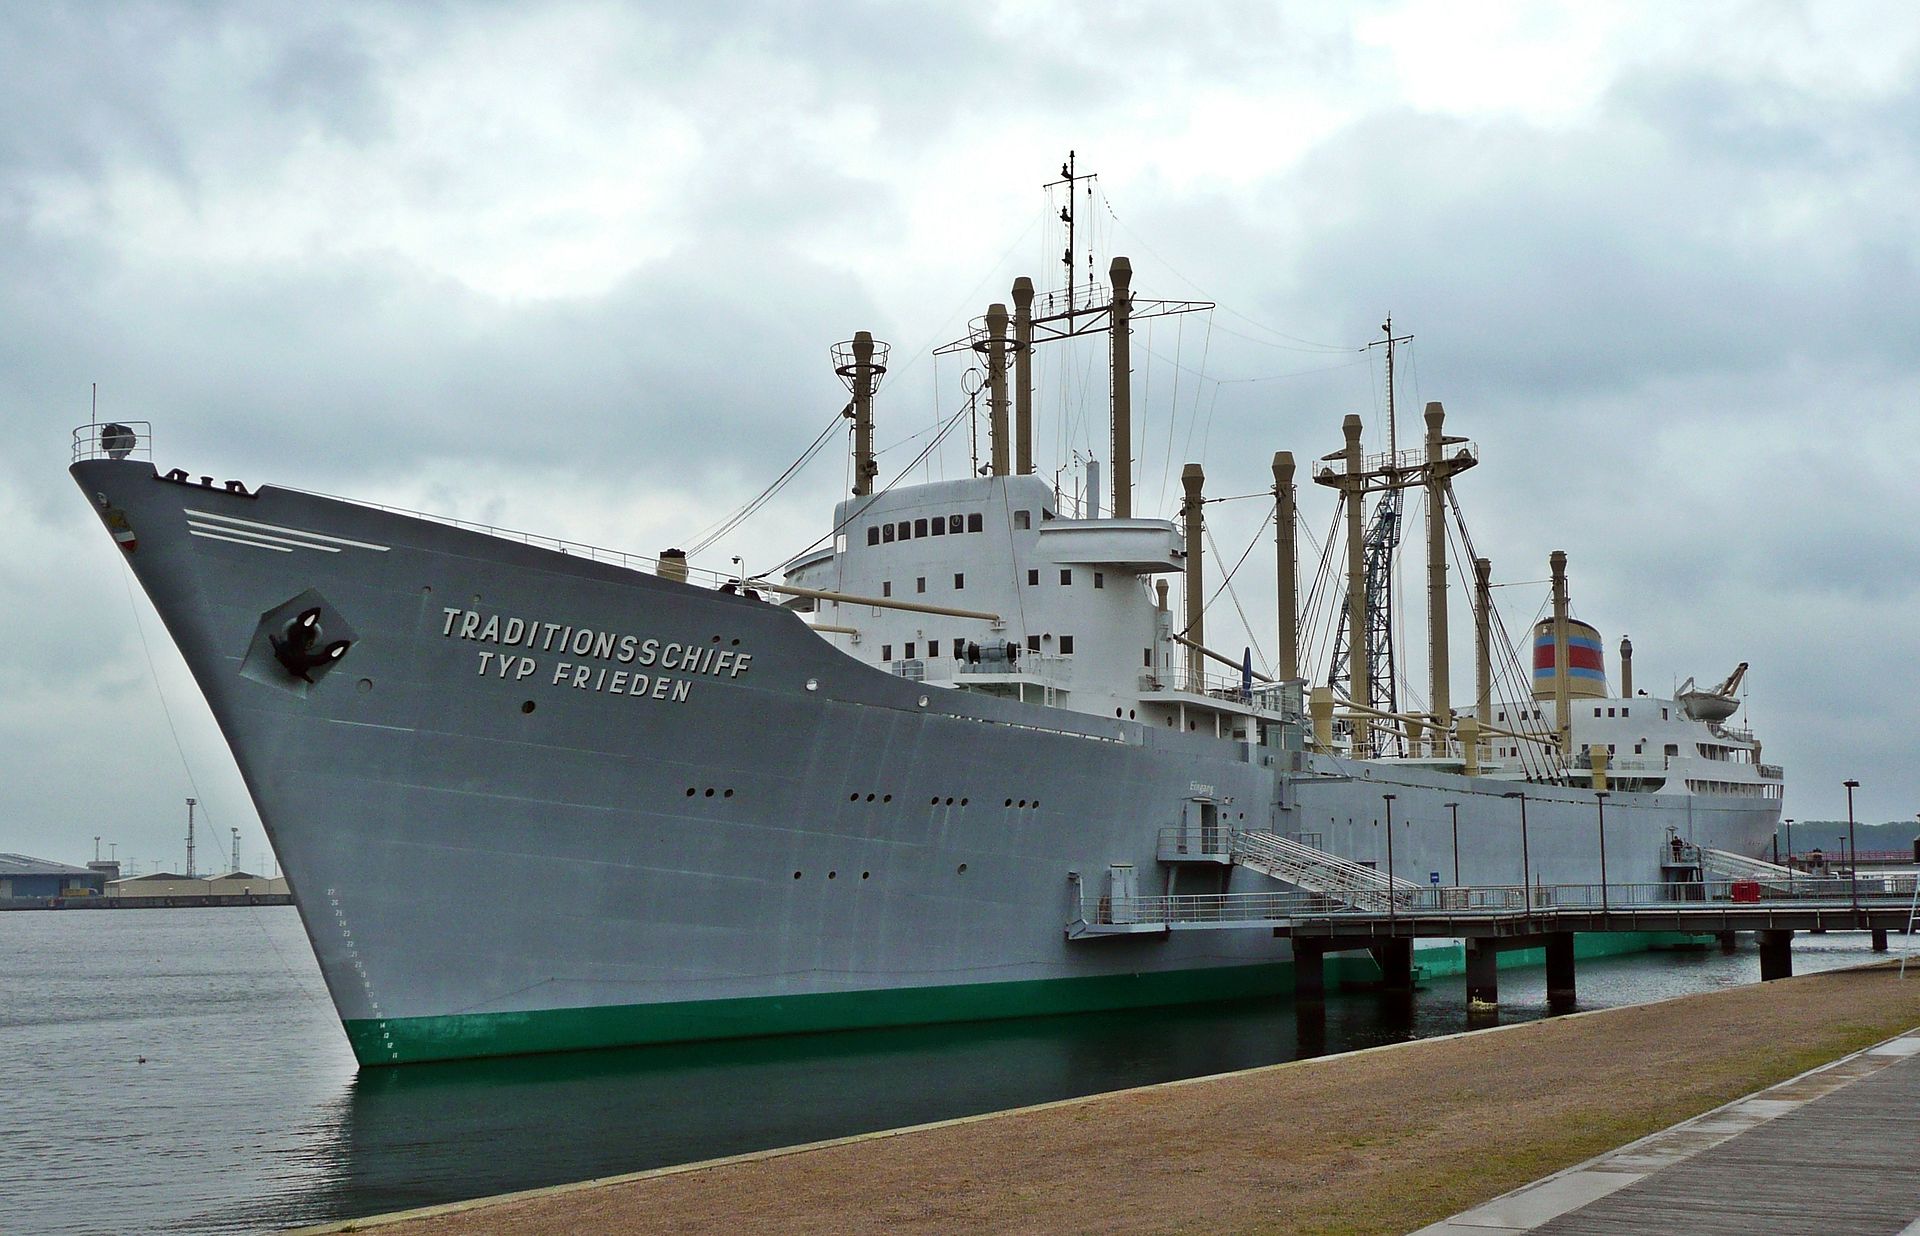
x,y
1433,878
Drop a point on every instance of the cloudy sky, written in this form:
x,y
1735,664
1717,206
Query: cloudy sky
x,y
575,268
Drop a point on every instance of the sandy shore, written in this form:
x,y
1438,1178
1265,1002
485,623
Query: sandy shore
x,y
1383,1141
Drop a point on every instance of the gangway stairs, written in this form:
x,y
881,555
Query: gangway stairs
x,y
1316,871
1730,866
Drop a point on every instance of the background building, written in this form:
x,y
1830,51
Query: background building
x,y
23,876
172,884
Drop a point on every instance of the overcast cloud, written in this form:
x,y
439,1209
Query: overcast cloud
x,y
575,268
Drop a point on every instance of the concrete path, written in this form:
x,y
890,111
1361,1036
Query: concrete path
x,y
1828,1152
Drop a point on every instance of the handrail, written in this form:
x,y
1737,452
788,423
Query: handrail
x,y
113,440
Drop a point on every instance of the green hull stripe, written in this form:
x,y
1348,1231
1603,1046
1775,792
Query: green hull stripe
x,y
406,1040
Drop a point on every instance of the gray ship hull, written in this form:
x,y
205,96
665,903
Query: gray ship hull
x,y
544,802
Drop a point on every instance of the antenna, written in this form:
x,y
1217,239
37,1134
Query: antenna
x,y
1393,425
1070,177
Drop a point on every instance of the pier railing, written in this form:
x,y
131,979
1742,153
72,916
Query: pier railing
x,y
1220,909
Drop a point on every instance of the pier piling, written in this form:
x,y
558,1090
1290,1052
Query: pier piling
x,y
1879,939
1776,955
1560,985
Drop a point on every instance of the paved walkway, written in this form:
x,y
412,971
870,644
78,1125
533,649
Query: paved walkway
x,y
1831,1151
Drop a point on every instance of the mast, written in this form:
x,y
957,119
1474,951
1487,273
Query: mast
x,y
1482,642
1440,689
997,383
860,362
1192,480
1562,685
1121,351
1287,569
1023,374
1360,674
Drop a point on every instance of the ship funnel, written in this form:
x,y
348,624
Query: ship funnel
x,y
860,362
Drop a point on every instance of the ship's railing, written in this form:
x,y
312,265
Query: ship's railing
x,y
113,440
646,563
1397,461
1042,666
1500,898
1772,772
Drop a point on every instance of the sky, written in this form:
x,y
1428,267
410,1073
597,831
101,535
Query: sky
x,y
576,269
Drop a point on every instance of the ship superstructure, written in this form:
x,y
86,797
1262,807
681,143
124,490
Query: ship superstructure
x,y
879,787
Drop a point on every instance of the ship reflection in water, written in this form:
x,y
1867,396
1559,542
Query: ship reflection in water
x,y
247,1112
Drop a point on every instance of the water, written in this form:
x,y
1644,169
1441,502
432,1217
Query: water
x,y
248,1114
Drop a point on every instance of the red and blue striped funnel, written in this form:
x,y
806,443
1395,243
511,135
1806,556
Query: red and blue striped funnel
x,y
1586,661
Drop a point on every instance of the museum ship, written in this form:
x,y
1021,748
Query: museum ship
x,y
533,796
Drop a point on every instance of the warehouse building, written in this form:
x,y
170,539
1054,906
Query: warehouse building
x,y
23,876
171,884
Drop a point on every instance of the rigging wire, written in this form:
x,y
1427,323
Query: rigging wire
x,y
793,469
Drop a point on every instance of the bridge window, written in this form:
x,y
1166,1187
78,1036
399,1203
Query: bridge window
x,y
920,584
959,581
873,535
1033,577
1099,579
906,530
886,533
1023,520
909,652
939,525
959,649
886,652
1066,577
1066,644
919,527
1596,712
1146,657
1673,748
1033,643
1609,712
886,587
973,522
953,523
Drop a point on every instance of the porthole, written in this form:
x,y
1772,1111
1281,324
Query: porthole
x,y
949,802
709,791
963,802
923,701
364,685
833,875
866,874
1009,802
869,798
813,684
934,803
886,798
960,870
1023,804
852,798
1036,804
689,791
527,706
796,875
734,644
728,794
716,639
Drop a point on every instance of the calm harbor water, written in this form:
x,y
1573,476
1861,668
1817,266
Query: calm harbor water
x,y
182,1071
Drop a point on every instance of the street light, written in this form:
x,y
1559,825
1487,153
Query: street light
x,y
1526,865
1789,824
1454,809
1600,797
1853,867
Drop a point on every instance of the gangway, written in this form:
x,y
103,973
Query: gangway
x,y
1726,865
1316,871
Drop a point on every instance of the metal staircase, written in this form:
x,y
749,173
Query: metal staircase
x,y
1730,866
1317,871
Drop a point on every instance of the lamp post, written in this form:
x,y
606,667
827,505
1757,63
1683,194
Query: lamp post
x,y
1853,865
1526,865
1600,798
1789,826
1454,810
1391,899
